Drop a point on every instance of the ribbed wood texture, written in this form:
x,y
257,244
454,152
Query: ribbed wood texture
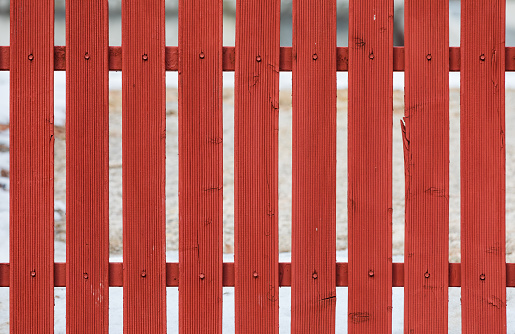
x,y
314,167
483,243
143,132
426,155
32,167
256,97
285,274
87,167
200,166
228,56
370,166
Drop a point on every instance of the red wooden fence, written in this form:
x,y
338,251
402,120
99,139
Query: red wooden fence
x,y
87,145
256,117
483,196
426,151
143,130
200,166
31,166
257,60
313,295
370,165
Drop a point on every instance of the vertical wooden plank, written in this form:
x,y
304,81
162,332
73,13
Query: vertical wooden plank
x,y
483,270
200,166
314,167
256,166
87,167
426,155
143,127
32,166
370,166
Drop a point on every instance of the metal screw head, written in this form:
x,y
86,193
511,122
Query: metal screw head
x,y
371,273
429,57
255,274
33,273
482,57
315,275
482,277
85,275
145,57
31,57
258,59
371,56
201,55
143,273
86,56
202,276
315,56
426,275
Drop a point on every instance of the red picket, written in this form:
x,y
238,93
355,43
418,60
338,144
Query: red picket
x,y
426,156
256,104
143,135
483,201
200,166
313,294
32,167
370,166
87,167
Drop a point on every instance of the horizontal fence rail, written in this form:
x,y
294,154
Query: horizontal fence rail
x,y
172,274
229,55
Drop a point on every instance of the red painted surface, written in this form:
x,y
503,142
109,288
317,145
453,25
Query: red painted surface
x,y
200,166
256,60
87,167
228,56
483,212
285,274
256,98
143,130
426,167
32,167
370,166
314,167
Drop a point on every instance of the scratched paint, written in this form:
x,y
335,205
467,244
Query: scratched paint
x,y
483,206
200,166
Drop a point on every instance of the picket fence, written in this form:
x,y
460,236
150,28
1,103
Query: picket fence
x,y
257,59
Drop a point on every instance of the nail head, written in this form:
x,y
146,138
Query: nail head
x,y
202,276
315,56
145,57
429,57
258,59
201,55
31,57
482,57
371,273
482,277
